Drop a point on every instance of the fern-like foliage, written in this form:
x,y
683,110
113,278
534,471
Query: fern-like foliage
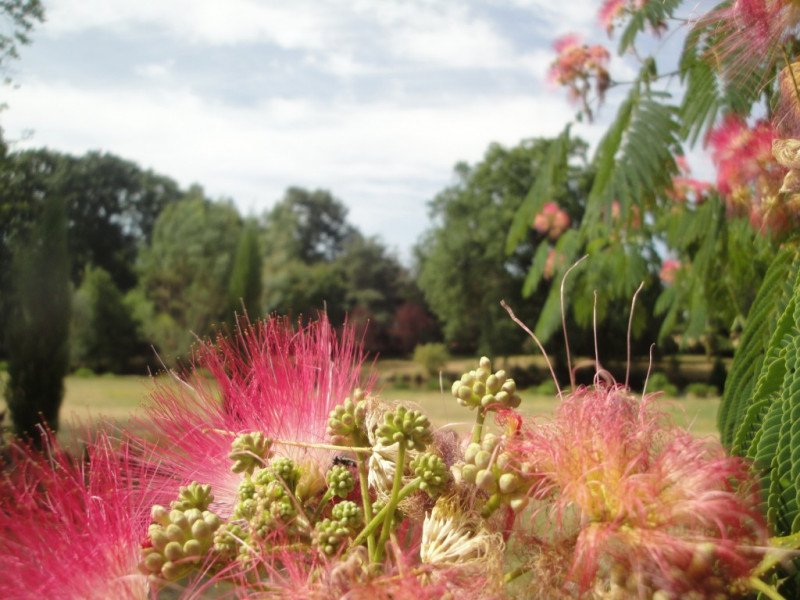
x,y
760,412
633,160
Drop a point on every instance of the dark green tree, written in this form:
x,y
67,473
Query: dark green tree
x,y
38,323
185,270
244,288
464,270
104,333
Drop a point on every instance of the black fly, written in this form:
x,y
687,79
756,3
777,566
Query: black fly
x,y
344,461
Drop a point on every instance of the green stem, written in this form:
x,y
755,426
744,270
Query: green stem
x,y
477,431
377,519
512,575
325,498
767,590
492,505
366,501
394,500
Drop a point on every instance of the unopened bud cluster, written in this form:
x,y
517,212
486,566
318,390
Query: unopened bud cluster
x,y
409,428
433,472
346,423
340,480
249,451
484,389
496,472
179,542
330,535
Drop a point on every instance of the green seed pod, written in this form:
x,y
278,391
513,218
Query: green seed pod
x,y
173,551
194,495
249,451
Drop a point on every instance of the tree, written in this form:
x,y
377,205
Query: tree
x,y
38,324
104,332
22,16
186,268
244,287
464,270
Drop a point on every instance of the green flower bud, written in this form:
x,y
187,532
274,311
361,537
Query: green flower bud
x,y
349,514
193,548
508,482
153,562
173,551
160,515
194,495
201,530
340,480
469,473
346,422
158,537
330,536
482,459
408,427
249,451
174,532
486,481
282,470
433,471
172,572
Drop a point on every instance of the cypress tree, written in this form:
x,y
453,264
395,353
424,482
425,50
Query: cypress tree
x,y
244,286
38,327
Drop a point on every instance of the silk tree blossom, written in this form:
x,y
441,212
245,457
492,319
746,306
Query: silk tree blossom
x,y
669,270
267,377
612,12
552,221
748,176
576,66
750,32
71,527
648,506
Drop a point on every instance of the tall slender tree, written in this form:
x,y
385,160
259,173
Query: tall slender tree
x,y
38,327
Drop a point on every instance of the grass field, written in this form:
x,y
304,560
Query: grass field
x,y
120,397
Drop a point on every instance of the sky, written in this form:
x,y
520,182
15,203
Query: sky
x,y
374,100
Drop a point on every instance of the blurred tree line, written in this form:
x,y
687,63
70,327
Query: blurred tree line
x,y
153,266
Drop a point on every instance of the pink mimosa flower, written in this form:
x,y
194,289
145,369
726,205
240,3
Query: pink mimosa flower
x,y
639,497
668,270
577,65
71,525
267,378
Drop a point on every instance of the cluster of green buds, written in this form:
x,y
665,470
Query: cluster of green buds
x,y
179,540
346,423
406,427
266,499
250,451
340,481
484,389
433,472
331,534
500,474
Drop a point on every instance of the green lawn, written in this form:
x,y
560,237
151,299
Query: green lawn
x,y
120,397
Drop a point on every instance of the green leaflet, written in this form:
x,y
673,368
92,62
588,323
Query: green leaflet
x,y
760,411
759,334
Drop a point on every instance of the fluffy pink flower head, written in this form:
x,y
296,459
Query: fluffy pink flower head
x,y
577,65
669,269
268,377
552,220
746,33
71,525
641,497
748,176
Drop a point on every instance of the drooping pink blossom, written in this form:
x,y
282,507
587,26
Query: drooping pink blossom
x,y
576,66
266,377
669,269
639,496
748,176
552,220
